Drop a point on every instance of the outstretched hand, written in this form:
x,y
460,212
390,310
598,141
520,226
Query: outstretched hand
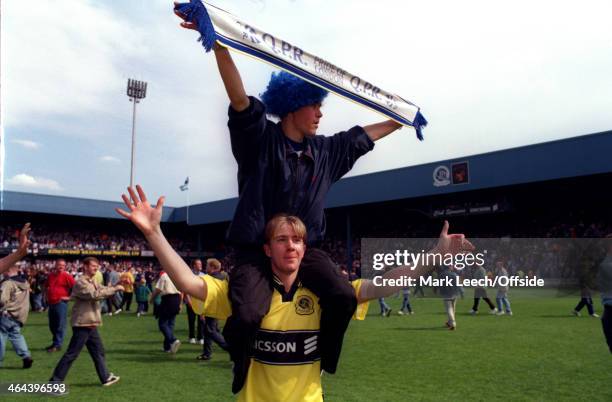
x,y
142,214
24,241
452,243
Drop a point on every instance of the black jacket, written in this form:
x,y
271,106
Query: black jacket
x,y
274,178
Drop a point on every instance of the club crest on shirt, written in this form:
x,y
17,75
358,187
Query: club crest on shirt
x,y
304,305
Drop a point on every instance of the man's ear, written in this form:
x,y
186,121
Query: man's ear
x,y
267,250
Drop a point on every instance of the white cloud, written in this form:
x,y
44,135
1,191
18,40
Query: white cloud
x,y
25,180
27,144
109,159
68,66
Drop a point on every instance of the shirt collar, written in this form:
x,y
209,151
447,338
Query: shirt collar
x,y
278,285
289,149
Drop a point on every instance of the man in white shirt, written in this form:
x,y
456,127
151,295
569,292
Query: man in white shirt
x,y
168,310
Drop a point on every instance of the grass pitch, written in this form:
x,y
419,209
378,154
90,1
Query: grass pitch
x,y
540,353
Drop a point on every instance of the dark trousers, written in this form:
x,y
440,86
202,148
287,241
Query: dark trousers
x,y
142,307
82,336
606,322
212,334
58,314
192,318
477,301
250,293
585,301
127,300
112,302
166,326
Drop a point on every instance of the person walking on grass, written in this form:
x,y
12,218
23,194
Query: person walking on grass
x,y
14,308
142,297
503,303
480,292
85,320
59,285
406,307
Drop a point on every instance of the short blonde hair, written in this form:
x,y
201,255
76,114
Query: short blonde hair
x,y
214,262
280,219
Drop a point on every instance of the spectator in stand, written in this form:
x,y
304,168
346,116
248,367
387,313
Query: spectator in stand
x,y
192,318
168,309
142,297
211,325
86,318
127,281
59,285
14,307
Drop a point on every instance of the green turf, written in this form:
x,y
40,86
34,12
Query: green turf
x,y
541,353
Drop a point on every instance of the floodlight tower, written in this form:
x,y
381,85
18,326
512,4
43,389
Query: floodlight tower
x,y
136,90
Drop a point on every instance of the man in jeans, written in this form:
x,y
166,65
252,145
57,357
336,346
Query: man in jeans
x,y
59,285
14,307
86,318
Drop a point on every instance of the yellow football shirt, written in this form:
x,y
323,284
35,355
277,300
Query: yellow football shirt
x,y
285,366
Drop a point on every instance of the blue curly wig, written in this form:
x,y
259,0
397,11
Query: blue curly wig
x,y
287,93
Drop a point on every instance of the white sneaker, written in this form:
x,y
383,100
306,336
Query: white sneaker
x,y
595,315
500,313
137,314
175,346
494,311
117,312
192,341
111,380
110,314
473,312
576,313
400,312
509,312
201,341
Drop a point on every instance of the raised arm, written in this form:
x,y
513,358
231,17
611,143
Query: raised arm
x,y
147,219
447,244
227,69
382,129
22,250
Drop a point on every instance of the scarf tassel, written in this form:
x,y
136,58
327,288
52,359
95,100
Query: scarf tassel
x,y
195,11
419,123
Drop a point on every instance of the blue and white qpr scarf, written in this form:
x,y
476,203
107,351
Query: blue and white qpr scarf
x,y
216,25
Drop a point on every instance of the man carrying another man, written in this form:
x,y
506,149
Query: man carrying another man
x,y
289,371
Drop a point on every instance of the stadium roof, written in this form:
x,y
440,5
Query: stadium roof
x,y
578,156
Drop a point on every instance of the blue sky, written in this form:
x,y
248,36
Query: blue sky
x,y
487,75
